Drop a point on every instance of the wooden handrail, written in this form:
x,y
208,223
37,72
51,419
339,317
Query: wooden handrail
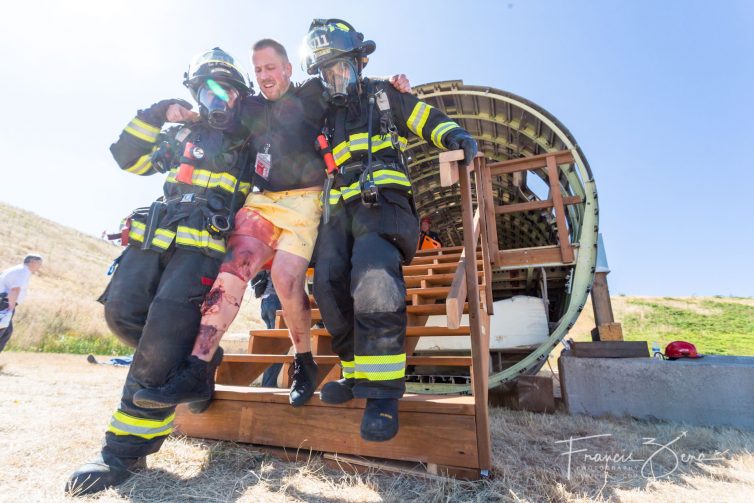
x,y
457,296
486,206
466,274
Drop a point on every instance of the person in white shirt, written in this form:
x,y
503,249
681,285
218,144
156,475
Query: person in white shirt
x,y
13,284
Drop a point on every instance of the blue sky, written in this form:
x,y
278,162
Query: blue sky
x,y
660,96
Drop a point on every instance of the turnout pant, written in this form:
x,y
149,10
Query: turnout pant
x,y
153,304
359,288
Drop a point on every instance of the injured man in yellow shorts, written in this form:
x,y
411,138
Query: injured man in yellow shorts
x,y
272,227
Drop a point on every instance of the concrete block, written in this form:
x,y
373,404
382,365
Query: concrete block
x,y
710,391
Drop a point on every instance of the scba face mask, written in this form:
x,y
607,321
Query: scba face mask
x,y
217,101
339,78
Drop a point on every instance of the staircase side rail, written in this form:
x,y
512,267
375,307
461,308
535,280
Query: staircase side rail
x,y
450,171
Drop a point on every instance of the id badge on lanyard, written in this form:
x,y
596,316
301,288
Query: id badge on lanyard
x,y
263,163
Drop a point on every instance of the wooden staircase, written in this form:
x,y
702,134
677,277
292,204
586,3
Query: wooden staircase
x,y
447,433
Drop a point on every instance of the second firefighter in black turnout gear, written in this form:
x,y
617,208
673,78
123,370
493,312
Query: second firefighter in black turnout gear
x,y
174,252
373,228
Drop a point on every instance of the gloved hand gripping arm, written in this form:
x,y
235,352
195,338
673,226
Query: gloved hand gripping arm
x,y
140,138
173,110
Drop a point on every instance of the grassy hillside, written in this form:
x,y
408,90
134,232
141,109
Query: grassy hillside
x,y
716,325
61,312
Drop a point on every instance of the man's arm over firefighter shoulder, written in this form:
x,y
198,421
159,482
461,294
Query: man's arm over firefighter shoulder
x,y
140,138
429,123
311,92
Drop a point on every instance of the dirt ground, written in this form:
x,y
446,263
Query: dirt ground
x,y
54,408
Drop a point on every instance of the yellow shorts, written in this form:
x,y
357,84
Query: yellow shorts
x,y
285,220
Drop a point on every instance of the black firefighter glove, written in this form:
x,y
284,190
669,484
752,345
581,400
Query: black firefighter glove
x,y
460,138
155,115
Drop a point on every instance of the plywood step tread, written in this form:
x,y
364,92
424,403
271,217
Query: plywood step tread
x,y
410,332
439,404
432,292
413,269
419,310
443,361
451,257
433,279
439,251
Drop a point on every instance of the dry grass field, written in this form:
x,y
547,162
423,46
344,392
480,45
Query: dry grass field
x,y
61,312
54,409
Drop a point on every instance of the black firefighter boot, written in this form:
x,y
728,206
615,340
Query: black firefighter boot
x,y
304,379
380,420
99,474
340,391
193,383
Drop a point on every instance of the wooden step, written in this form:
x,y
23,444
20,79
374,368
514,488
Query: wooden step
x,y
439,251
413,295
433,429
410,332
413,269
418,310
430,292
442,361
433,279
451,257
438,404
433,292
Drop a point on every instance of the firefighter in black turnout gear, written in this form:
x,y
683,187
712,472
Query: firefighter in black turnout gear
x,y
174,251
373,226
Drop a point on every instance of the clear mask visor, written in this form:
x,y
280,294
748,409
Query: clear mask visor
x,y
218,100
339,78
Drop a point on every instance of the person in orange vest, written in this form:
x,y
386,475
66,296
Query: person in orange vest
x,y
428,238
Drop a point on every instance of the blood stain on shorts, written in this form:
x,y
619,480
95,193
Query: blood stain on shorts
x,y
250,223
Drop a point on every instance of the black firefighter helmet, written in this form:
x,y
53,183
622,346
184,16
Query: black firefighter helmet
x,y
335,50
217,84
329,39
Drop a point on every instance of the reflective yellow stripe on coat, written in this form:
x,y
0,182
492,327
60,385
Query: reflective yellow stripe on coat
x,y
142,165
418,118
162,237
187,236
359,141
142,130
441,130
210,180
383,178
